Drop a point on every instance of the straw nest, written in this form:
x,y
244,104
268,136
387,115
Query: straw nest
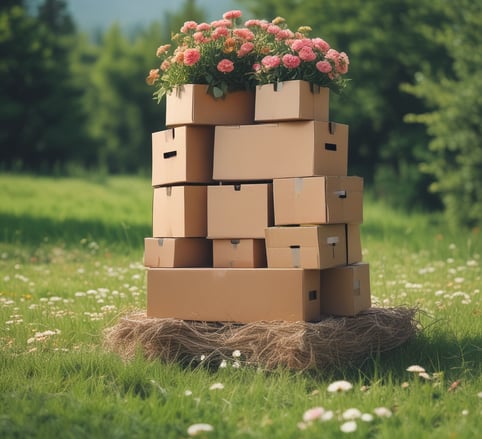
x,y
331,342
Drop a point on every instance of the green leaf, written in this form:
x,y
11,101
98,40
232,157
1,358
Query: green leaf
x,y
218,92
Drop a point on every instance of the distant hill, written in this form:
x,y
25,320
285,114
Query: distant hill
x,y
94,15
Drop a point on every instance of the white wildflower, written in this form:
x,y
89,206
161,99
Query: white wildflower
x,y
195,429
217,386
415,369
348,427
351,414
366,417
382,412
313,413
339,386
236,353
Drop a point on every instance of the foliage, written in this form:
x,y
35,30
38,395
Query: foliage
x,y
454,121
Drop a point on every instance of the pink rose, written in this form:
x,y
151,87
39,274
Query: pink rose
x,y
291,61
284,34
191,56
306,54
343,62
323,66
200,38
257,67
231,15
221,23
271,61
225,66
273,29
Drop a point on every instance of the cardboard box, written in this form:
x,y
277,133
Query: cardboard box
x,y
278,150
239,210
309,247
353,243
182,155
318,200
239,253
191,104
177,252
179,212
291,100
233,294
345,291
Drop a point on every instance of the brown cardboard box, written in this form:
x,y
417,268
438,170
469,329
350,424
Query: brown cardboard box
x,y
191,104
309,247
291,100
353,243
239,253
233,294
345,291
182,155
318,200
278,150
240,210
177,252
179,212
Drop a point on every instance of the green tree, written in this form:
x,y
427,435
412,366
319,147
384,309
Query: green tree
x,y
455,119
40,122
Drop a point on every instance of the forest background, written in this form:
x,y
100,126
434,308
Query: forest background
x,y
75,103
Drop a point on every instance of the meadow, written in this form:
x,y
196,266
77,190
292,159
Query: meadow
x,y
71,264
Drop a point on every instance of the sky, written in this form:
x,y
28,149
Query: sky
x,y
91,15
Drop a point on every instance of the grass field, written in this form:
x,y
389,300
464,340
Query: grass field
x,y
71,264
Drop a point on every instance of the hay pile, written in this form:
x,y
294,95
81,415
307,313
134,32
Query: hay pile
x,y
331,342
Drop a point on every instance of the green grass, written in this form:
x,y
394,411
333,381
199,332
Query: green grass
x,y
71,263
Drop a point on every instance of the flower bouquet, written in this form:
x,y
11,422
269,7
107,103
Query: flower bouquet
x,y
228,57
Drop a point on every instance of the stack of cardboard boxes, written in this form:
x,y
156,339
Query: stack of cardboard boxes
x,y
254,216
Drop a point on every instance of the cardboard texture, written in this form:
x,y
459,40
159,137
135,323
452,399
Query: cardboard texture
x,y
177,252
182,155
318,200
179,212
278,150
240,210
309,247
291,100
233,294
239,253
353,243
345,291
191,104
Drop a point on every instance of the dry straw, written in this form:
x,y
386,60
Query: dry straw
x,y
331,342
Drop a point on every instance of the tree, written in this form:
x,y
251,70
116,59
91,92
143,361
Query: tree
x,y
41,124
455,119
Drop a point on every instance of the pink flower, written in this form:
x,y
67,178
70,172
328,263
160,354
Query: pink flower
x,y
152,77
245,49
231,15
306,54
257,67
343,62
221,23
219,32
291,61
225,66
203,27
165,65
200,38
188,25
284,34
323,66
270,61
244,34
254,23
298,44
321,45
191,57
162,49
273,29
333,55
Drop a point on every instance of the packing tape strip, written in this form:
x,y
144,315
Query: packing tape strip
x,y
298,185
295,256
356,287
